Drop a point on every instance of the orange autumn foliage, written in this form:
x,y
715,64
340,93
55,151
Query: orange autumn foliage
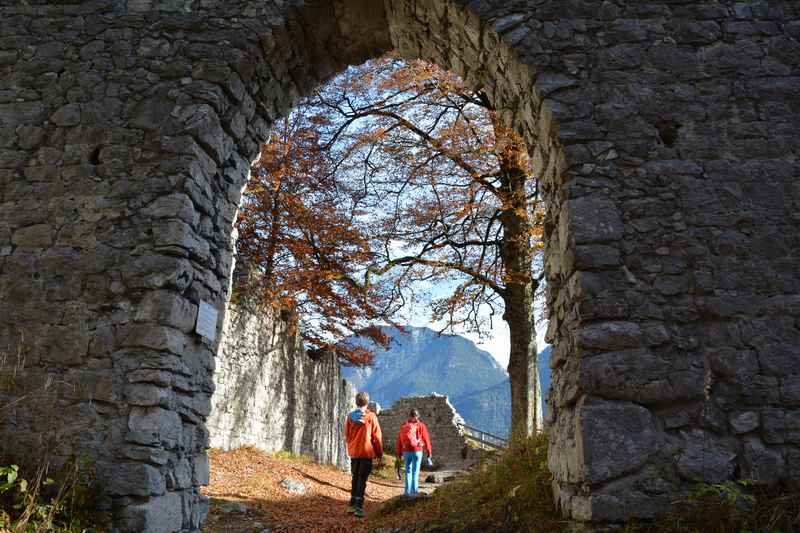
x,y
394,178
302,244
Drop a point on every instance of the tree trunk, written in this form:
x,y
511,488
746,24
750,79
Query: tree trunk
x,y
517,254
523,372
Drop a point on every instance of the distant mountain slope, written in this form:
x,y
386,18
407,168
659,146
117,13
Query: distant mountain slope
x,y
420,362
490,409
544,373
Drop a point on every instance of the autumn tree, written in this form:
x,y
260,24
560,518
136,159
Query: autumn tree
x,y
451,200
421,184
303,245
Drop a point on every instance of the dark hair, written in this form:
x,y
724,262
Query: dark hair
x,y
413,414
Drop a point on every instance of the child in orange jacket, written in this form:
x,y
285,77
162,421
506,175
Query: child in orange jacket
x,y
364,443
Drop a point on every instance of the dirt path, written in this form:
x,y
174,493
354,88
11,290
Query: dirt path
x,y
249,480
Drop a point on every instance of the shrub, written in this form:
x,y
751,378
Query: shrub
x,y
513,492
510,492
39,504
729,507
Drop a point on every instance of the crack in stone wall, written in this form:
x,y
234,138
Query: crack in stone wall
x,y
665,135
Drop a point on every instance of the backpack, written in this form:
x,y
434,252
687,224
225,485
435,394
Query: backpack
x,y
412,435
357,416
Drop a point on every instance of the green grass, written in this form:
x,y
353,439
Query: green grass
x,y
511,493
387,470
730,507
291,456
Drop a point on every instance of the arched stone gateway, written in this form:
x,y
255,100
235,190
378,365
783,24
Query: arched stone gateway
x,y
666,134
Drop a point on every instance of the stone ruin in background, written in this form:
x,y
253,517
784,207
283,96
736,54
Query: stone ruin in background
x,y
451,448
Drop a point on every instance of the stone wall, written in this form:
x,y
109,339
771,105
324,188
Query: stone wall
x,y
665,134
269,393
447,439
673,290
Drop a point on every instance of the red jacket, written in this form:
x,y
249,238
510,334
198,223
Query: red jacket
x,y
364,439
402,444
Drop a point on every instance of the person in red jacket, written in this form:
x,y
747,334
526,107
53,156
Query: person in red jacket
x,y
412,439
364,443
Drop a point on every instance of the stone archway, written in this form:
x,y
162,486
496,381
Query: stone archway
x,y
667,146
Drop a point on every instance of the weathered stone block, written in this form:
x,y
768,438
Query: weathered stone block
x,y
147,394
590,220
609,307
655,334
175,233
202,122
761,465
198,358
199,511
671,285
642,377
161,514
176,205
609,336
776,358
65,345
781,425
593,256
181,475
158,271
642,496
145,454
151,113
154,337
33,237
157,377
200,469
705,457
154,426
167,308
732,361
197,404
89,386
135,479
20,113
614,439
68,115
744,422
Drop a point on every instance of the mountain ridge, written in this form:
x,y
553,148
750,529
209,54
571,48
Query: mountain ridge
x,y
422,361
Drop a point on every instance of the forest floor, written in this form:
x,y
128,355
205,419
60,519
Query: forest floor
x,y
247,496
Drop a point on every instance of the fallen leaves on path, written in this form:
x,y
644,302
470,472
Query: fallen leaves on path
x,y
252,477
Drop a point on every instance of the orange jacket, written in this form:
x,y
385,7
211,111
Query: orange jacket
x,y
402,444
364,438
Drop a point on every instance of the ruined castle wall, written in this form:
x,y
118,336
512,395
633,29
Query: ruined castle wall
x,y
270,394
436,411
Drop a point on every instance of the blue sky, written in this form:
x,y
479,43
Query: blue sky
x,y
497,342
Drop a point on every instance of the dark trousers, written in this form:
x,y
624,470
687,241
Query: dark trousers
x,y
360,467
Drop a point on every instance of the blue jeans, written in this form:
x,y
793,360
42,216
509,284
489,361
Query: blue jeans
x,y
412,460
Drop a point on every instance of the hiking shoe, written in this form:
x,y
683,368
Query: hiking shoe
x,y
359,512
351,509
